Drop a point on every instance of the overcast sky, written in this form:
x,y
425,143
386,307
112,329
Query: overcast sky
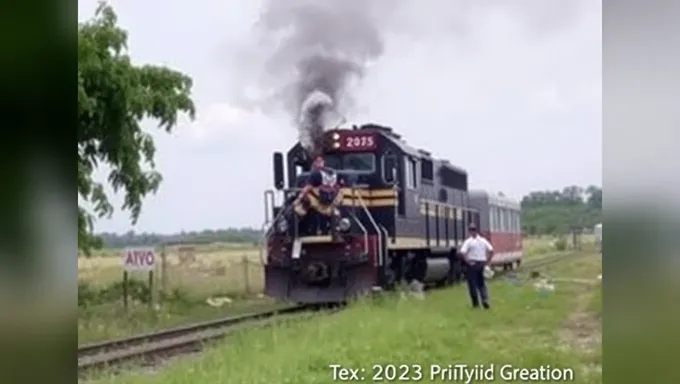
x,y
509,90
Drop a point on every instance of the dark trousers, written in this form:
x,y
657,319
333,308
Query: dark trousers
x,y
476,283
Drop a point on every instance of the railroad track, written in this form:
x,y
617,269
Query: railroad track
x,y
190,338
547,260
168,342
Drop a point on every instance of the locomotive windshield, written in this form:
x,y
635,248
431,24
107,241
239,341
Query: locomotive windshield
x,y
356,162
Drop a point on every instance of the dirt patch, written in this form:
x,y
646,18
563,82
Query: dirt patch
x,y
582,330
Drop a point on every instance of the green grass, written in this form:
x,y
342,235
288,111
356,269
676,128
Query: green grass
x,y
209,270
107,322
202,271
188,280
526,329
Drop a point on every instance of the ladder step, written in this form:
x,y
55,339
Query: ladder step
x,y
297,248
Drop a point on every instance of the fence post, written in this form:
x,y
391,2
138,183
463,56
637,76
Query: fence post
x,y
164,270
246,279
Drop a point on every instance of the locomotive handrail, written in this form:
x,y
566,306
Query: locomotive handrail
x,y
375,225
387,235
265,231
363,229
267,210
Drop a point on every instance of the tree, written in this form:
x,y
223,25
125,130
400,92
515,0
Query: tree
x,y
114,95
558,212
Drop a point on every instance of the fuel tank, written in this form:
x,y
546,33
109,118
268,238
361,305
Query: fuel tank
x,y
436,269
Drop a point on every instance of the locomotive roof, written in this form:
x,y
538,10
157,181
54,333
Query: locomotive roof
x,y
395,138
495,199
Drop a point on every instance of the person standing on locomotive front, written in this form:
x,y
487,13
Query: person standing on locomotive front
x,y
477,253
322,180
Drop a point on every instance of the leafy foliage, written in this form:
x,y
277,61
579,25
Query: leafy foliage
x,y
558,212
229,235
90,295
114,95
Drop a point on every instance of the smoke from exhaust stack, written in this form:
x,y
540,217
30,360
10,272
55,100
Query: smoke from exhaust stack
x,y
326,44
315,50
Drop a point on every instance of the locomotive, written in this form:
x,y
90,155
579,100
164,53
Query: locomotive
x,y
372,214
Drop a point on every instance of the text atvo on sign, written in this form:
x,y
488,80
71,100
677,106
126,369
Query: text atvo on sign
x,y
139,259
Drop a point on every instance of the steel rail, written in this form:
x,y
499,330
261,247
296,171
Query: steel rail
x,y
188,336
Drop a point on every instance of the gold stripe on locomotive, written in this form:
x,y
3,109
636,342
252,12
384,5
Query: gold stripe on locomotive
x,y
386,197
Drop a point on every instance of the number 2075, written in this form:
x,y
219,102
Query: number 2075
x,y
359,141
401,372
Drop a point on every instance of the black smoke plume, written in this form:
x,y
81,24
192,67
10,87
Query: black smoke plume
x,y
322,46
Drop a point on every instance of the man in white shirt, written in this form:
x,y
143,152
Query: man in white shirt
x,y
476,252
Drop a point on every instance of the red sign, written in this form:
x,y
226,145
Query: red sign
x,y
357,142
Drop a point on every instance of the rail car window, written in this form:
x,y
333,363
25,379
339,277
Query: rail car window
x,y
410,168
497,218
501,220
508,227
508,214
491,223
426,170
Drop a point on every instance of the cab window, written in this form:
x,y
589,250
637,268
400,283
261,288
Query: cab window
x,y
360,162
410,168
356,162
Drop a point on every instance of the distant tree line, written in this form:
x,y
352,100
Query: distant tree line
x,y
559,212
133,239
543,213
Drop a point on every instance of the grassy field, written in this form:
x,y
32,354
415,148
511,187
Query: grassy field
x,y
526,328
194,283
202,270
217,267
191,278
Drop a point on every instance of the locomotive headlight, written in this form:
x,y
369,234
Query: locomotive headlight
x,y
282,225
344,224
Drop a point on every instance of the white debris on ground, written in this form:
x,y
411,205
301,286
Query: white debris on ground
x,y
413,289
544,285
599,277
417,289
217,302
488,272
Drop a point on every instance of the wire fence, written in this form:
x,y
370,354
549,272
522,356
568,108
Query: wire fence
x,y
196,272
208,272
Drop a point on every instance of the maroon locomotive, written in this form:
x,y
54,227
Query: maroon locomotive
x,y
370,212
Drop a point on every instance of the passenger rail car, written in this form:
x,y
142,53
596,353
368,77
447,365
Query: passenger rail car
x,y
384,213
500,223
